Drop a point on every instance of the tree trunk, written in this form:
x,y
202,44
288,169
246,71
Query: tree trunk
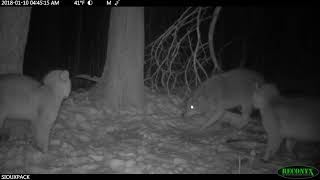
x,y
77,56
122,79
14,27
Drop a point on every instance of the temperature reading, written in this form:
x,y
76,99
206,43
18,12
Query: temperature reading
x,y
79,2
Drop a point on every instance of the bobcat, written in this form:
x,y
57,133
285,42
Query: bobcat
x,y
24,98
224,91
289,118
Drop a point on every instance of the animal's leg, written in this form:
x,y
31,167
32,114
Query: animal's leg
x,y
290,143
212,119
42,127
245,113
41,134
4,132
272,126
2,115
272,147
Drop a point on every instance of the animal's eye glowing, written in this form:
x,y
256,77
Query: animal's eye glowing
x,y
191,107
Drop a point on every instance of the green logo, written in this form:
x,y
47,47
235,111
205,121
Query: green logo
x,y
298,172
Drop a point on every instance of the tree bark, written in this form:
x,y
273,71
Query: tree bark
x,y
14,27
122,79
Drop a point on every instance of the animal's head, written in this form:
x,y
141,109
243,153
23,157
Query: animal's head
x,y
264,93
59,81
195,105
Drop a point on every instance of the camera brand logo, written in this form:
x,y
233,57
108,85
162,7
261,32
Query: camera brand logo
x,y
298,172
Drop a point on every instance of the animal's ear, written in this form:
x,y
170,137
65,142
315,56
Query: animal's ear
x,y
64,75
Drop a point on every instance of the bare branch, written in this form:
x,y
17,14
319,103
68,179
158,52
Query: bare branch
x,y
178,58
210,35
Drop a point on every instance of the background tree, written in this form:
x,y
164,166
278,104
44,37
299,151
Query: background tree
x,y
14,27
121,83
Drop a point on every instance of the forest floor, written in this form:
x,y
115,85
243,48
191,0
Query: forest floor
x,y
86,139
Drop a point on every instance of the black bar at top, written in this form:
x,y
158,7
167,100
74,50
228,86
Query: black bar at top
x,y
121,3
201,2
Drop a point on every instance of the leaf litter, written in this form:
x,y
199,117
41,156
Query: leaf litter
x,y
86,139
